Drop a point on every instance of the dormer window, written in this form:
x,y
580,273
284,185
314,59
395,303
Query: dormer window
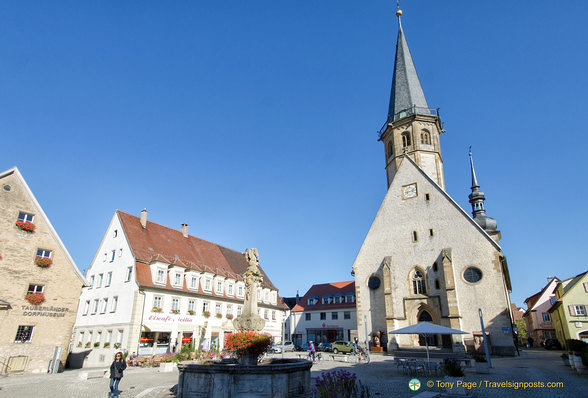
x,y
312,300
230,290
178,279
207,284
350,298
160,278
240,291
328,300
193,283
219,287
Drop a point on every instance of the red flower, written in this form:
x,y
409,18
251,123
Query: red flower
x,y
26,226
43,262
247,342
35,298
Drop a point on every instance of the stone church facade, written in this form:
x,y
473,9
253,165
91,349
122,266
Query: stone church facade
x,y
424,257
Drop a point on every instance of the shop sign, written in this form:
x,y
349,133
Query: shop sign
x,y
330,326
169,318
44,310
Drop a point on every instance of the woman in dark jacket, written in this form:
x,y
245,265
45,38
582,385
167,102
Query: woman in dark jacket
x,y
116,372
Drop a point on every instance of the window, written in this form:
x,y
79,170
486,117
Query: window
x,y
425,137
178,279
546,317
87,307
405,139
415,236
89,337
347,315
105,257
240,291
312,301
104,306
230,290
334,316
552,300
327,300
129,274
35,289
191,305
266,296
430,231
119,339
207,284
219,286
205,306
108,279
258,294
160,276
25,217
585,287
350,298
95,308
157,301
229,309
120,252
339,299
175,304
274,315
194,283
44,253
114,304
239,310
418,282
109,336
427,196
112,255
115,233
437,285
472,274
390,150
578,310
435,268
217,308
91,281
24,334
99,283
98,337
81,337
307,316
265,314
323,316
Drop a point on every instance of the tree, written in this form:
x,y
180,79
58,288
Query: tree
x,y
522,330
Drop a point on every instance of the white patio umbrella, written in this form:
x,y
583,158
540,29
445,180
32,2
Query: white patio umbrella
x,y
427,329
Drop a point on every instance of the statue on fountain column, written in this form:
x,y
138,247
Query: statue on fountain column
x,y
249,319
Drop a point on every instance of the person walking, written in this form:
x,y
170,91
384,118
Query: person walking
x,y
116,373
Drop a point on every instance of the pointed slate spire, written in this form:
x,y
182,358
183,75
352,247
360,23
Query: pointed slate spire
x,y
477,199
407,95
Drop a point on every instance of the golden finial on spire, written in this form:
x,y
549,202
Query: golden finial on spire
x,y
398,13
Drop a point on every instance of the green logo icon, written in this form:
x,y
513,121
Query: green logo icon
x,y
414,384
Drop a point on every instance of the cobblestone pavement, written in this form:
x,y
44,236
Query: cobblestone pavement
x,y
380,376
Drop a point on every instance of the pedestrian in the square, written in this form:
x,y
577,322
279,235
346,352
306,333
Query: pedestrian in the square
x,y
116,373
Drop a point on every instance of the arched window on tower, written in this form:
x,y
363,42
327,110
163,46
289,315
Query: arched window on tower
x,y
425,137
390,149
405,139
419,285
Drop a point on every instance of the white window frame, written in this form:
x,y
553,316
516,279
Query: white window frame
x,y
113,255
175,304
99,282
191,305
86,307
129,273
36,288
119,338
114,304
157,302
104,306
19,332
205,306
25,217
230,289
108,279
91,282
177,279
218,308
239,310
193,283
96,305
42,253
240,291
207,284
219,287
160,276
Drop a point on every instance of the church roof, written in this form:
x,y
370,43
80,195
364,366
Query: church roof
x,y
407,93
160,243
326,289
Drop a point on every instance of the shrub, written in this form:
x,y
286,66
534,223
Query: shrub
x,y
575,346
452,367
247,343
340,384
480,358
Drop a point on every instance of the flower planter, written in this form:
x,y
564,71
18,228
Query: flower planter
x,y
116,345
191,312
26,226
35,298
106,345
155,309
87,345
219,316
229,316
206,314
43,262
175,311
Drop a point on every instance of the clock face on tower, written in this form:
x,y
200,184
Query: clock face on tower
x,y
409,191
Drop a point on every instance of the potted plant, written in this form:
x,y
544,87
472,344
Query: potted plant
x,y
575,348
156,309
35,298
88,344
565,358
481,364
191,312
175,311
247,345
116,345
43,262
79,343
26,226
206,314
229,316
219,315
452,368
97,344
107,344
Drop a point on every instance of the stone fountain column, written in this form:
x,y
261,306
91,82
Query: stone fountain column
x,y
249,318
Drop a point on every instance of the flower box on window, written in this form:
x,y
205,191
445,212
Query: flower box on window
x,y
219,315
88,344
156,309
116,345
79,343
107,344
43,262
229,316
97,344
26,226
35,298
190,312
175,311
206,314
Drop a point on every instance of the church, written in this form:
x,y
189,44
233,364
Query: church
x,y
424,257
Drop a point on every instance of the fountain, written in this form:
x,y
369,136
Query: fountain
x,y
279,378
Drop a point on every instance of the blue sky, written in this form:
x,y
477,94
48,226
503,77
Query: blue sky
x,y
255,121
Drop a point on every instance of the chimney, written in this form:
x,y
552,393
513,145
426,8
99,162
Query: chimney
x,y
144,218
184,230
297,297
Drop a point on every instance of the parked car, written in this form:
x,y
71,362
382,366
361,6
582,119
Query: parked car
x,y
551,344
326,347
276,349
342,346
288,346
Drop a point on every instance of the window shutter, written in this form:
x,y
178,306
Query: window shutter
x,y
572,310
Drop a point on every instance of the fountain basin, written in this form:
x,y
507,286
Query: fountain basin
x,y
276,378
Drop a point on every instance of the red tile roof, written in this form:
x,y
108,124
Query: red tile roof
x,y
160,243
322,290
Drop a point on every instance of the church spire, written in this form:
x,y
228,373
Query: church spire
x,y
407,96
477,199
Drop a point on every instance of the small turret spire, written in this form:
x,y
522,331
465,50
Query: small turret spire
x,y
477,200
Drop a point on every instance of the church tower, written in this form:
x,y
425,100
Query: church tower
x,y
412,128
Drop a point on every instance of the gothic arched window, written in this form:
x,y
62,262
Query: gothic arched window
x,y
390,151
405,139
425,137
419,285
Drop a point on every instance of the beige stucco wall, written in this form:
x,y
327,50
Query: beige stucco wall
x,y
53,320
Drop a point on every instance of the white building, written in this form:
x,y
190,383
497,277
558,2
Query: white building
x,y
153,287
325,314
